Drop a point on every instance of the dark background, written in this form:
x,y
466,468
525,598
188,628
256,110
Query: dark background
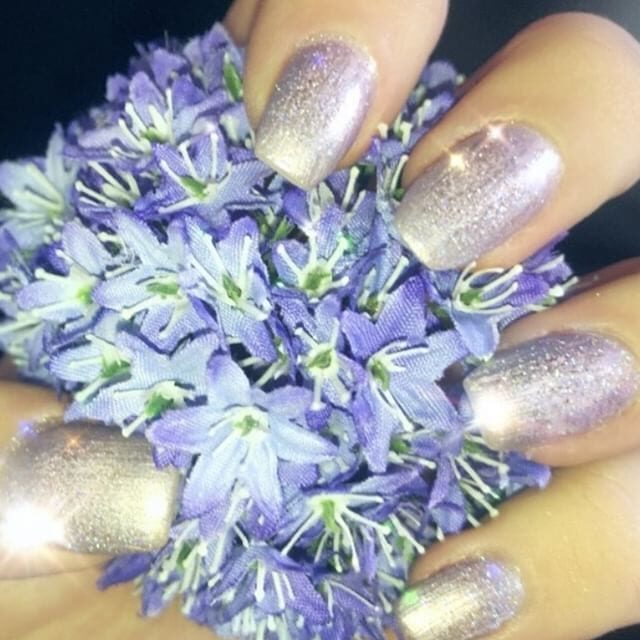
x,y
56,55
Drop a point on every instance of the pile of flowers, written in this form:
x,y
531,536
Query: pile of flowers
x,y
279,347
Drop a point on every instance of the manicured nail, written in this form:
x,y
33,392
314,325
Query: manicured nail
x,y
85,488
560,384
478,194
465,600
316,110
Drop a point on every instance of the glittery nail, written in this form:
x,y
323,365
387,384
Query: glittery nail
x,y
466,600
560,384
478,194
316,110
87,489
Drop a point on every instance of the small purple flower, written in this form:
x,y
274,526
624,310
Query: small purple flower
x,y
401,366
150,117
39,194
246,432
101,191
199,177
67,297
320,348
152,287
481,303
154,383
275,584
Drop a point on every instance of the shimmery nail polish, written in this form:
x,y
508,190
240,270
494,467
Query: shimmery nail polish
x,y
478,194
89,488
553,386
316,110
466,600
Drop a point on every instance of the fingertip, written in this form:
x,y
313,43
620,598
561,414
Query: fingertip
x,y
557,183
317,109
83,488
317,93
538,570
564,386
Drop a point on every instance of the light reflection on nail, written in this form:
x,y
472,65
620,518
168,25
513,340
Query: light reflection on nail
x,y
463,601
549,387
478,194
316,109
86,488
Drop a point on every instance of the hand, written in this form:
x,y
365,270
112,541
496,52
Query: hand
x,y
59,599
545,132
563,560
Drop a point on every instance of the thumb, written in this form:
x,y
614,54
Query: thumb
x,y
73,494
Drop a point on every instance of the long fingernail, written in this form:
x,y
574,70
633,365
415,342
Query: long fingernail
x,y
478,194
466,600
85,488
553,386
316,110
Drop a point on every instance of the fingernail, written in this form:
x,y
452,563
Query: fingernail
x,y
553,386
466,600
85,488
316,110
478,194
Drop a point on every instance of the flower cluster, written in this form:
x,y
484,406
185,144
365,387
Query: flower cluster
x,y
279,347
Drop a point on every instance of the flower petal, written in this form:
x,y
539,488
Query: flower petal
x,y
261,477
228,384
212,478
294,444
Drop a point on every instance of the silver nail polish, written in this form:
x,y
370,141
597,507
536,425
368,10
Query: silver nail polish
x,y
553,386
478,194
466,600
316,110
88,488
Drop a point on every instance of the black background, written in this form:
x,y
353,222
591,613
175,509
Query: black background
x,y
56,55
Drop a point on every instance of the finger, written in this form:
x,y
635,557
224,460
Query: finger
x,y
20,404
69,606
539,570
239,20
564,386
76,487
322,74
543,136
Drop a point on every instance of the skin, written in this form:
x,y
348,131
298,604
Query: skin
x,y
576,544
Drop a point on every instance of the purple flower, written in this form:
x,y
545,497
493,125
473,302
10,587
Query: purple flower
x,y
275,584
67,297
92,363
150,117
38,191
199,177
282,349
233,280
155,382
401,366
320,348
152,288
246,432
101,191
